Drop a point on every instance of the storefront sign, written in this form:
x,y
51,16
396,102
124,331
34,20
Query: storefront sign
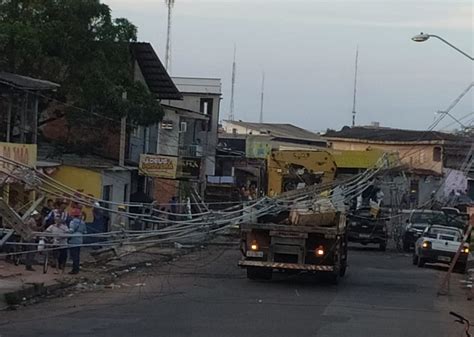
x,y
158,166
257,149
189,168
22,153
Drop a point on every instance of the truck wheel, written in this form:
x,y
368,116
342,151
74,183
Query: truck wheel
x,y
383,246
421,262
259,273
333,278
415,259
460,268
342,271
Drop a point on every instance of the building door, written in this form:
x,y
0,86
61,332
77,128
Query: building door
x,y
107,194
414,197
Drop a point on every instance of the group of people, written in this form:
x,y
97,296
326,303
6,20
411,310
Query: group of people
x,y
63,227
248,193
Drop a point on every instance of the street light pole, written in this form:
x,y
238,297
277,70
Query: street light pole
x,y
423,37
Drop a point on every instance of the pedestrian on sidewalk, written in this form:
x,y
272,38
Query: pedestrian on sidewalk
x,y
77,228
33,225
47,208
121,220
59,209
60,231
173,209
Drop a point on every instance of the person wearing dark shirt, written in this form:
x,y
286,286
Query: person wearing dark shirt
x,y
47,208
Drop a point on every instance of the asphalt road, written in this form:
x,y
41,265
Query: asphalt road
x,y
204,294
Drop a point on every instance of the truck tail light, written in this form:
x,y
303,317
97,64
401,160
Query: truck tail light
x,y
320,251
254,245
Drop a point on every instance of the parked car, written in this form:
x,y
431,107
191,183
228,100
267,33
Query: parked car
x,y
365,228
439,244
419,220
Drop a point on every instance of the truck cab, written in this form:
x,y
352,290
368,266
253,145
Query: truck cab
x,y
366,227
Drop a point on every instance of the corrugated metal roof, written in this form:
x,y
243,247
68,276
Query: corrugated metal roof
x,y
389,135
156,77
279,130
26,83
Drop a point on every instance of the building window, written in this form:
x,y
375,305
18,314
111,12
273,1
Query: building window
x,y
183,127
107,194
206,106
167,125
125,193
437,154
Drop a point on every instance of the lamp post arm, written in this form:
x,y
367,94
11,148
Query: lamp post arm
x,y
452,46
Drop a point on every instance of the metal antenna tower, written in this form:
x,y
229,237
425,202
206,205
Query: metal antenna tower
x,y
169,4
232,90
355,88
261,97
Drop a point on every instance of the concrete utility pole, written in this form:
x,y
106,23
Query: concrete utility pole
x,y
355,88
123,134
169,4
232,89
261,97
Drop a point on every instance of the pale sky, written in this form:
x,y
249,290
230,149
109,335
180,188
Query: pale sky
x,y
307,50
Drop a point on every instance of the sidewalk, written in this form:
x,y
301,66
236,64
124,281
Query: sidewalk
x,y
18,284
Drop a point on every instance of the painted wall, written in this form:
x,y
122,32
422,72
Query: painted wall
x,y
165,189
394,187
168,139
416,156
84,180
455,180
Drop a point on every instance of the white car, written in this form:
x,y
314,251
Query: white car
x,y
439,244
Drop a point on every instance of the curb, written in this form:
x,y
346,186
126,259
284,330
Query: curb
x,y
33,290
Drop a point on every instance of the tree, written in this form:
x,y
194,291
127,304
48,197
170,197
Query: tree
x,y
77,44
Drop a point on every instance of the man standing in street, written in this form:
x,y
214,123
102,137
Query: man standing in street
x,y
174,208
77,228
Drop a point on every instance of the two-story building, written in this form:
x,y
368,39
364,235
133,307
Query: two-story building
x,y
97,170
430,160
187,140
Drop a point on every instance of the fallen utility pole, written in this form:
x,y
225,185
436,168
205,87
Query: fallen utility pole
x,y
13,219
444,286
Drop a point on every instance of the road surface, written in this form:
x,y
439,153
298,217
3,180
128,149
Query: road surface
x,y
204,294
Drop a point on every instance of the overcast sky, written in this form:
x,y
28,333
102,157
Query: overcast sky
x,y
307,50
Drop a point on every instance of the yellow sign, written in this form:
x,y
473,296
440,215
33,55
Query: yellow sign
x,y
158,166
22,153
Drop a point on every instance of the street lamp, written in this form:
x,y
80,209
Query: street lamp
x,y
422,37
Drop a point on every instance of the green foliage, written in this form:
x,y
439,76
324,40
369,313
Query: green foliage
x,y
77,44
